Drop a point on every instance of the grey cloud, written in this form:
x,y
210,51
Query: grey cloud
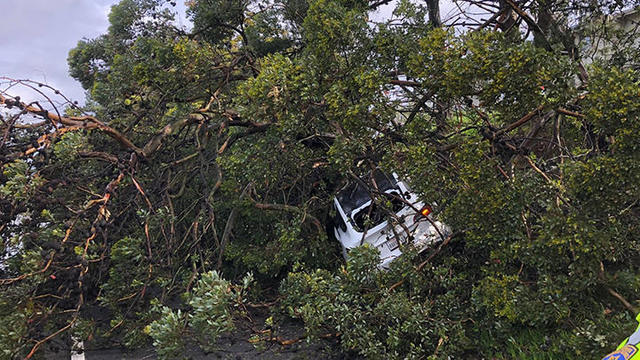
x,y
38,34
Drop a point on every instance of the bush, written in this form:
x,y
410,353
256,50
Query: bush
x,y
356,303
213,304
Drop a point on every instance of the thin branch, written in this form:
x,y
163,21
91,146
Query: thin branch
x,y
85,122
520,122
99,156
570,113
292,209
229,225
424,263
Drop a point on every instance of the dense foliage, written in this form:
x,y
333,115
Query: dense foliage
x,y
210,152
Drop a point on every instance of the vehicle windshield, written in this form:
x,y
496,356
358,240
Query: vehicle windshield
x,y
354,195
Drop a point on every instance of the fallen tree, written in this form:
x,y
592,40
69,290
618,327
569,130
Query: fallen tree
x,y
220,148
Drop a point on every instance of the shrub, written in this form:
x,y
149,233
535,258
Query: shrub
x,y
213,304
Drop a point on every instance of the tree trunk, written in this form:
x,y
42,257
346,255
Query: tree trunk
x,y
434,12
507,18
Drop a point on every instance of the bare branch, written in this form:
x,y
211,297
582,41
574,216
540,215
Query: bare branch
x,y
85,122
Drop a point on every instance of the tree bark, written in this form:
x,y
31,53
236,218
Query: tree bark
x,y
507,19
434,12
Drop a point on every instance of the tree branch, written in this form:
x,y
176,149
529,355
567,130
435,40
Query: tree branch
x,y
520,122
99,155
86,122
290,208
229,226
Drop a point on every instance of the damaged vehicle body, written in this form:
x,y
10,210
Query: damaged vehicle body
x,y
381,210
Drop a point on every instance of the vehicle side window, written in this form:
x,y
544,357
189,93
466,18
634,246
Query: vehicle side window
x,y
374,214
367,217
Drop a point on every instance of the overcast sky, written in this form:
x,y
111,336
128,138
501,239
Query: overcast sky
x,y
36,36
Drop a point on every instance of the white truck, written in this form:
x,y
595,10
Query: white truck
x,y
396,220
